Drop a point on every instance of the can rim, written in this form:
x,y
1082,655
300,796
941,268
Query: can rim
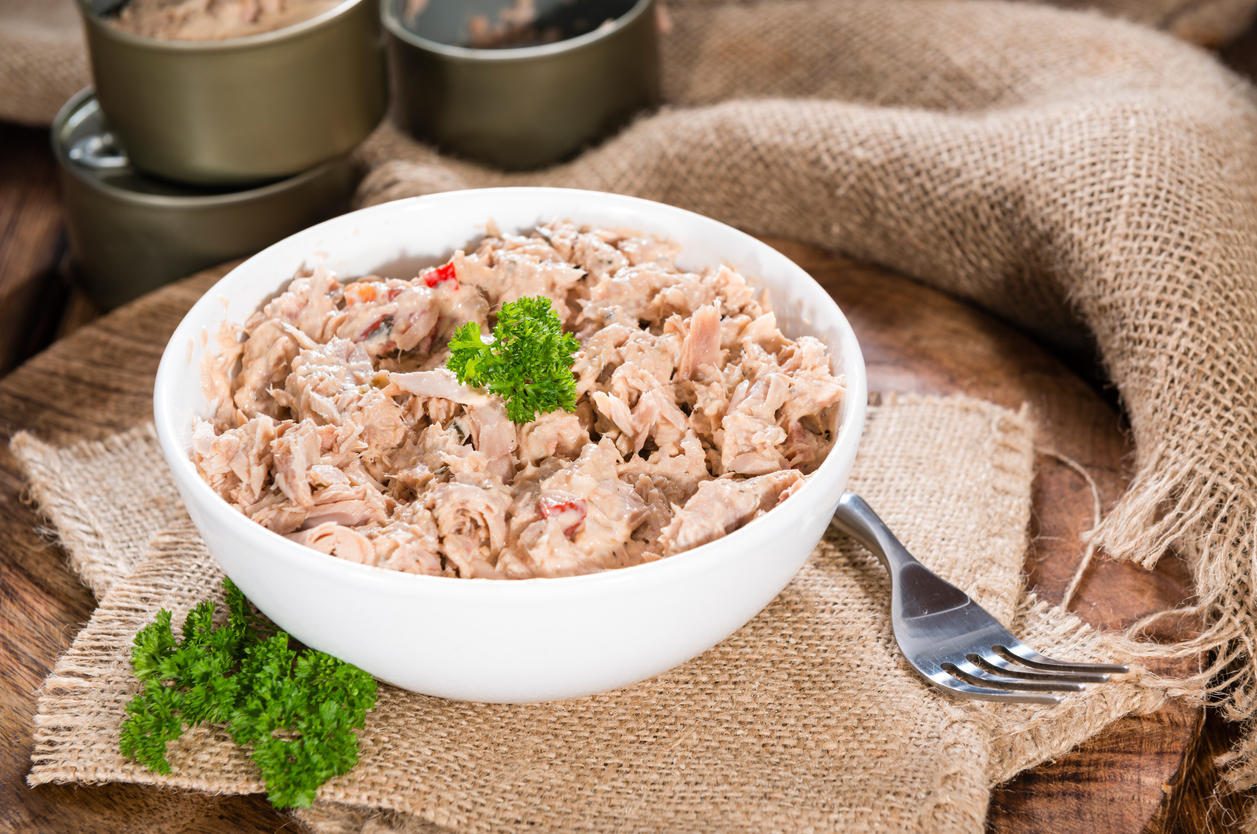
x,y
389,18
172,201
224,45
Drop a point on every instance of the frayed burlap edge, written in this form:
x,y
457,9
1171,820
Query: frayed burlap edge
x,y
79,681
1007,436
1214,525
1021,738
99,549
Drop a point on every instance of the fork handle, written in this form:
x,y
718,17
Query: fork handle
x,y
856,518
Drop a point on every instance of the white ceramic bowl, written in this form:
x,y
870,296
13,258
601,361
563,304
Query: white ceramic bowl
x,y
508,640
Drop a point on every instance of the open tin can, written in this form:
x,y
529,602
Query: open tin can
x,y
483,96
240,110
131,233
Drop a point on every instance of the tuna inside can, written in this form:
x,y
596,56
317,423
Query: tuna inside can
x,y
130,232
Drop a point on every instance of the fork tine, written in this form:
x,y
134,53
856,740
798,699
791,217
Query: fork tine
x,y
1019,652
992,662
970,673
947,681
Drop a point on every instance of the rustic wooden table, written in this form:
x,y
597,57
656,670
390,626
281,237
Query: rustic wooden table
x,y
1149,773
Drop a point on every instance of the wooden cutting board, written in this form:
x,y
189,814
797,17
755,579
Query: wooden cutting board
x,y
915,339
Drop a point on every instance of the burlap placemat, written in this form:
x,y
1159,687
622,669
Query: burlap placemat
x,y
807,718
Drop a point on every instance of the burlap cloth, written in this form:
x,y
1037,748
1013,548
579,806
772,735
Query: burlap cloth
x,y
43,59
806,718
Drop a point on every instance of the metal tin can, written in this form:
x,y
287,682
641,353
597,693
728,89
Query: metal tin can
x,y
245,109
131,233
523,107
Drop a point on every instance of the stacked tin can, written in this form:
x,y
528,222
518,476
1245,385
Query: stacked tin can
x,y
191,152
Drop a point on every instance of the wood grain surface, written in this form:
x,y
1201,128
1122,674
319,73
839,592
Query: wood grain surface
x,y
32,243
99,379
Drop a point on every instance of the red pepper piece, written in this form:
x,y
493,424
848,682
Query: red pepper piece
x,y
550,507
382,324
445,272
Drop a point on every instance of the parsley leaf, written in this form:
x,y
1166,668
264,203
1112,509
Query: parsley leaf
x,y
528,364
296,710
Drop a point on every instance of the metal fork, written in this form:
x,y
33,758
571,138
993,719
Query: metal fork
x,y
950,639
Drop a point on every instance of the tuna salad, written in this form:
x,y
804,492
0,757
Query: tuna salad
x,y
212,20
334,421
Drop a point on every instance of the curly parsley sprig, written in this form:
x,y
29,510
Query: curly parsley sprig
x,y
295,710
528,364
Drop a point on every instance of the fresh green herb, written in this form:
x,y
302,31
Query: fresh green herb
x,y
295,709
528,364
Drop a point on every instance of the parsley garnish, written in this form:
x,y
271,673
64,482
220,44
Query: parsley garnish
x,y
295,710
528,364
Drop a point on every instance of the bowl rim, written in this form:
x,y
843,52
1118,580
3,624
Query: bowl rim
x,y
392,22
99,23
378,579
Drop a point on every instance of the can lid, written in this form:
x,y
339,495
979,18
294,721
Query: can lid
x,y
87,149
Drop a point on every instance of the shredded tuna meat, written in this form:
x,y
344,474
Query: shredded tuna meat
x,y
334,422
211,20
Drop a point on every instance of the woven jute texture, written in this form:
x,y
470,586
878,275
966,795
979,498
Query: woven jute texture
x,y
106,539
806,718
43,58
1091,180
